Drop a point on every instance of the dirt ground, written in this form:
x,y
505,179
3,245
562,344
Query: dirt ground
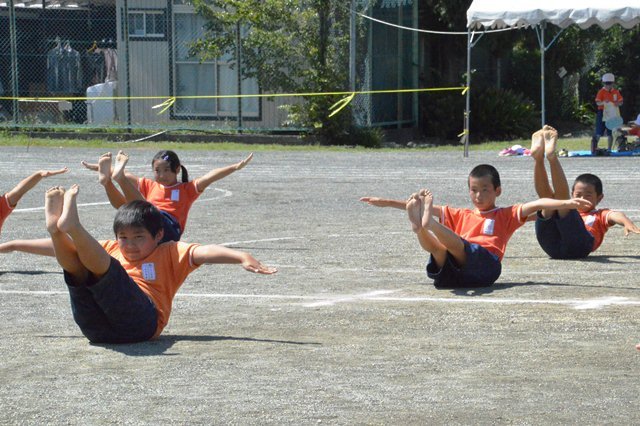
x,y
350,331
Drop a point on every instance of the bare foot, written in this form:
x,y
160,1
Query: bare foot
x,y
91,166
537,145
69,218
118,170
638,346
414,211
104,168
53,201
427,201
550,141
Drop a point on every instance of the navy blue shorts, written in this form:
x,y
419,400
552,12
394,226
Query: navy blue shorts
x,y
171,226
112,309
601,128
482,269
564,238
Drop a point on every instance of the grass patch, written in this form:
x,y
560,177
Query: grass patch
x,y
570,144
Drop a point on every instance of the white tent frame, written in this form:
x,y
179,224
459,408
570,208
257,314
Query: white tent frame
x,y
537,14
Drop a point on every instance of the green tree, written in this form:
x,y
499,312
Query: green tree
x,y
290,46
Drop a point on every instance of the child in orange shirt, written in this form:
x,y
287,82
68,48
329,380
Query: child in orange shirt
x,y
9,200
172,198
466,247
565,233
122,291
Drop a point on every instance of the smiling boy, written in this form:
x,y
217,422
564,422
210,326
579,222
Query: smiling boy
x,y
122,291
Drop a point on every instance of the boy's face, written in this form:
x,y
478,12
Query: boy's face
x,y
587,192
137,243
482,192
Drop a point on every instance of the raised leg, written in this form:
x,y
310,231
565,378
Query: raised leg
x,y
128,188
559,180
449,239
104,177
92,255
64,249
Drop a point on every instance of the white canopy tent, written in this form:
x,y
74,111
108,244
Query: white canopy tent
x,y
484,15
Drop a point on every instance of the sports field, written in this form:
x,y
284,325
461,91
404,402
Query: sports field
x,y
350,331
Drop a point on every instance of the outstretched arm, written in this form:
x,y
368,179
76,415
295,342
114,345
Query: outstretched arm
x,y
398,204
42,247
94,168
619,218
216,174
385,202
218,254
23,187
549,203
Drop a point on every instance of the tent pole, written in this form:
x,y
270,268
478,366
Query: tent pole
x,y
467,111
542,97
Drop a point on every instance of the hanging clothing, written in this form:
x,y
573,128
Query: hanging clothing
x,y
110,62
94,69
64,73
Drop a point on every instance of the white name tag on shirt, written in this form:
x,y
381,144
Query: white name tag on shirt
x,y
590,220
175,195
149,271
487,227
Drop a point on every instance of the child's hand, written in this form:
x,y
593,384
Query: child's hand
x,y
578,204
91,166
374,201
47,173
631,228
250,264
244,162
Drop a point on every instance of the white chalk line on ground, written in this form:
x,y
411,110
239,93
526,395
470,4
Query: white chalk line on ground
x,y
225,193
384,296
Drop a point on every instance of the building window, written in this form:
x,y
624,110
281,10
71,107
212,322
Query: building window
x,y
147,23
201,78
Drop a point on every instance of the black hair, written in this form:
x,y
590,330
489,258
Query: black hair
x,y
589,179
486,170
174,162
138,214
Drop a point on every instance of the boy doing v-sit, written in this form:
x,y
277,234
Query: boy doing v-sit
x,y
122,291
564,233
467,246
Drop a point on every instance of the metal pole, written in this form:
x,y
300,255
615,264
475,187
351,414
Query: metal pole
x,y
125,30
542,50
352,47
239,74
467,111
14,60
400,68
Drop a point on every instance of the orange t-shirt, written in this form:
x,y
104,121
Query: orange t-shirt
x,y
605,95
597,223
5,209
160,274
175,200
491,229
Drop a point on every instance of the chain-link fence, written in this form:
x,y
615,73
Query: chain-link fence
x,y
130,64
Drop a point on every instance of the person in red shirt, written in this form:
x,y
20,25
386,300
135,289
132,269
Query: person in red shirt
x,y
566,233
174,198
121,291
467,246
10,200
608,94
